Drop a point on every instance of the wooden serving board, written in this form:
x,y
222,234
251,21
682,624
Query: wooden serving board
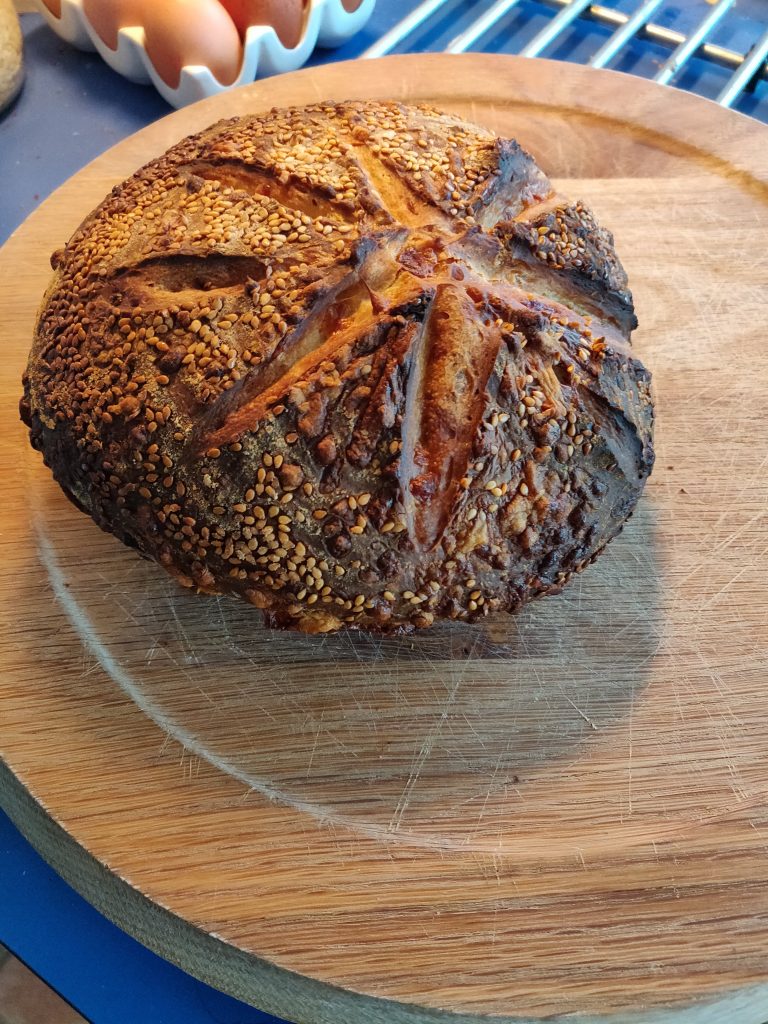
x,y
563,813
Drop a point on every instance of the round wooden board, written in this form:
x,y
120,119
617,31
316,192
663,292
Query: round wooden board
x,y
561,813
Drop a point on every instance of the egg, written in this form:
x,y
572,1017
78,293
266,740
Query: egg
x,y
285,16
350,5
108,16
54,6
180,32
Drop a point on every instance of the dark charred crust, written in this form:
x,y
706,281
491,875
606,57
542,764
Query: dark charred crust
x,y
356,364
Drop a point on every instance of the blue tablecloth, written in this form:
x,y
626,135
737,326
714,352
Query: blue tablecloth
x,y
72,108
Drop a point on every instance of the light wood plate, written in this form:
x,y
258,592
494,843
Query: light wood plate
x,y
561,813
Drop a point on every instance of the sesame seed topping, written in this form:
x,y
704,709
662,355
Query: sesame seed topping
x,y
181,315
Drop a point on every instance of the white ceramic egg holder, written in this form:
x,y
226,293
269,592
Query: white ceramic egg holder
x,y
327,23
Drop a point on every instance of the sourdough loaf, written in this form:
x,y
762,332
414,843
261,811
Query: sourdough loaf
x,y
357,364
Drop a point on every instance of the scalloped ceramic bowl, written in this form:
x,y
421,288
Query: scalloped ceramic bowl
x,y
327,23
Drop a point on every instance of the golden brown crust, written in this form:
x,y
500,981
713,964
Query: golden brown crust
x,y
355,363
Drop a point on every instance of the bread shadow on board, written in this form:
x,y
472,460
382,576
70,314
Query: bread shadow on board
x,y
338,724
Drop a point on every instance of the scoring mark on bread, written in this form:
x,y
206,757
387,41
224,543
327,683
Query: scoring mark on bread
x,y
296,196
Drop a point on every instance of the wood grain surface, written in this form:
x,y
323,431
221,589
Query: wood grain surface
x,y
563,813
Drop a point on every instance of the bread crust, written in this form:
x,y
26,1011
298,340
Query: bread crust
x,y
355,363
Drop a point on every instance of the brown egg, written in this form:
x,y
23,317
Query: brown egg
x,y
285,16
54,6
180,32
108,16
350,5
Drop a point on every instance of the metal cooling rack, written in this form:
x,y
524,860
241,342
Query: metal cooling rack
x,y
683,47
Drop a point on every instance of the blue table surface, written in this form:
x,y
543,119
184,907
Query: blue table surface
x,y
71,109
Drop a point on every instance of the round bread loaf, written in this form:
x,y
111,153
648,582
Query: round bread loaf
x,y
357,364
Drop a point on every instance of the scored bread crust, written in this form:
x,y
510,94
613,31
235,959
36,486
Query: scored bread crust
x,y
355,363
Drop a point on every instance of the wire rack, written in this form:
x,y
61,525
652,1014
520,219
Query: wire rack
x,y
561,29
